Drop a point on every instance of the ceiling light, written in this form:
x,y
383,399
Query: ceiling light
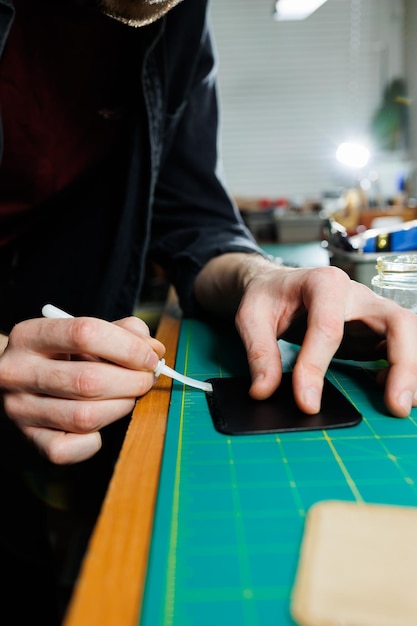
x,y
353,155
295,9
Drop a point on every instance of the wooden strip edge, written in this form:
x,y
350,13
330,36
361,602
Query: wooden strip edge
x,y
109,590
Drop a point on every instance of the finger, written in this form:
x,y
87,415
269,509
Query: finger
x,y
256,322
93,380
320,343
93,336
399,326
64,448
401,378
74,416
325,328
141,329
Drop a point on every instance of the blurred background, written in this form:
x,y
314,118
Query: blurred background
x,y
293,90
318,134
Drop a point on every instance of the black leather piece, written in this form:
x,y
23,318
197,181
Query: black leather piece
x,y
234,412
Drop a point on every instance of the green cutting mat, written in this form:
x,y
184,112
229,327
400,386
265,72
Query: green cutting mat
x,y
231,510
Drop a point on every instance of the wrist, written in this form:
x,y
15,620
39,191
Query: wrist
x,y
220,284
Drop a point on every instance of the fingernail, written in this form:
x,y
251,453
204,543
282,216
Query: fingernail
x,y
152,361
312,399
405,400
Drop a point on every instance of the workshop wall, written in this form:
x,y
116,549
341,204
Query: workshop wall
x,y
291,92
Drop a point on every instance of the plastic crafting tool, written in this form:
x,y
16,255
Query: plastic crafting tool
x,y
51,311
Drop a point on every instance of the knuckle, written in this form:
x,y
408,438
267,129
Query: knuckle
x,y
133,349
256,353
139,325
18,334
83,332
88,383
52,448
11,406
331,329
84,418
310,371
57,451
332,273
330,279
7,374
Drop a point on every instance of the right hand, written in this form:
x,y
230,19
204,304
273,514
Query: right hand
x,y
62,380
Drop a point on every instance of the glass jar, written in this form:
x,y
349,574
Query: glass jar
x,y
397,279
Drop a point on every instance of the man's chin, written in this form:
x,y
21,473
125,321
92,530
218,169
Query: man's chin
x,y
136,12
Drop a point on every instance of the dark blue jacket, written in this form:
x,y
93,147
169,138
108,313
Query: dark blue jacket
x,y
161,196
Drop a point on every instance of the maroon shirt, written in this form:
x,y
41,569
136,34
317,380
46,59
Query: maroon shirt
x,y
62,86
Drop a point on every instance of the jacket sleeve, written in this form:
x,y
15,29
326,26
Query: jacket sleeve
x,y
194,217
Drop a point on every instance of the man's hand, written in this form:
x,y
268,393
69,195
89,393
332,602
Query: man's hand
x,y
321,309
64,379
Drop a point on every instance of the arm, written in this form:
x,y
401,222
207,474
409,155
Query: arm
x,y
339,317
195,218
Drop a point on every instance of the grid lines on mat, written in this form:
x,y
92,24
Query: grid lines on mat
x,y
231,510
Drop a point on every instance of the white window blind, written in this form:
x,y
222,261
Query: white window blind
x,y
290,92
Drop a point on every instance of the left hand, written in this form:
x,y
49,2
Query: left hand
x,y
324,311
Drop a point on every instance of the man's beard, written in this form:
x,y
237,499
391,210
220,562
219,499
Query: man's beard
x,y
132,12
